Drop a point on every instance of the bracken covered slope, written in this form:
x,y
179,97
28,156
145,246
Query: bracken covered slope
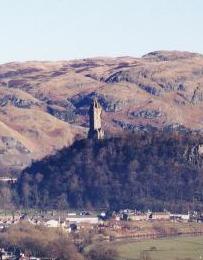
x,y
44,105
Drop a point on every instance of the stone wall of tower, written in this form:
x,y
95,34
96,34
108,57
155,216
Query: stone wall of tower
x,y
95,130
97,116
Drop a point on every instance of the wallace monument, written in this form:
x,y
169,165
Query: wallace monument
x,y
95,130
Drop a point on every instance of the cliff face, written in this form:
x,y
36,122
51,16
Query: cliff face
x,y
44,105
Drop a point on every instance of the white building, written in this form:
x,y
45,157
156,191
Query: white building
x,y
83,219
52,223
183,217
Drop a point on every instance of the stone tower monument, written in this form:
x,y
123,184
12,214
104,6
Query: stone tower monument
x,y
95,130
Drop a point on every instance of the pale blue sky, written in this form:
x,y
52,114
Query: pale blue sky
x,y
67,29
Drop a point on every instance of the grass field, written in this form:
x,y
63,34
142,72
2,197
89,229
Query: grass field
x,y
162,249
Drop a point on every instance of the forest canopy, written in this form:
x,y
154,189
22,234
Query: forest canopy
x,y
157,170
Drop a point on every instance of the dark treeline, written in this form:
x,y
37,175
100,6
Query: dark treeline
x,y
160,170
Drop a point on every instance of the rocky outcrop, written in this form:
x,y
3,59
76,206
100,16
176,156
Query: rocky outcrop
x,y
17,102
134,128
137,78
14,156
149,128
193,155
147,114
169,55
9,143
108,102
177,128
66,114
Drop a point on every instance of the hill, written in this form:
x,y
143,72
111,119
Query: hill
x,y
157,170
43,105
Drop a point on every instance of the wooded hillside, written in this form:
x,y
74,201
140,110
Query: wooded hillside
x,y
154,170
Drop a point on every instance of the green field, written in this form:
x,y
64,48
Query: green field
x,y
162,249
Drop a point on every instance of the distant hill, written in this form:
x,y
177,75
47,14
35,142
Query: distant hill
x,y
43,105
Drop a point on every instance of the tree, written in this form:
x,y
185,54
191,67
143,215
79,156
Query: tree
x,y
102,253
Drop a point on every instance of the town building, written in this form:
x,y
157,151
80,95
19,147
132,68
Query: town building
x,y
83,219
180,217
159,216
138,217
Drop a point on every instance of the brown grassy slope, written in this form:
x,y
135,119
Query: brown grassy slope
x,y
43,104
29,132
